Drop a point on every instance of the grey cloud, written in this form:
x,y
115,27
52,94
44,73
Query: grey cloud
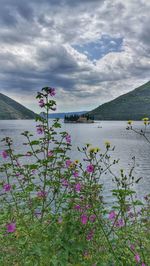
x,y
7,18
37,39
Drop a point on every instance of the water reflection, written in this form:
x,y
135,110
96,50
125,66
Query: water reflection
x,y
127,144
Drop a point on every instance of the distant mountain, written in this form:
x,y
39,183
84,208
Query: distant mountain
x,y
62,115
10,109
133,105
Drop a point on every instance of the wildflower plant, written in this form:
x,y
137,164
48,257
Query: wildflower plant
x,y
52,207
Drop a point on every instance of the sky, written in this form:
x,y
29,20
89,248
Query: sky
x,y
91,51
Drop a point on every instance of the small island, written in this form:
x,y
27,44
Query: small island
x,y
85,118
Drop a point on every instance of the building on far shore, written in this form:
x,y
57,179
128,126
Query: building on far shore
x,y
85,118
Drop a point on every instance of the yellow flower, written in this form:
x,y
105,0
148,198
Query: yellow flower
x,y
130,122
91,150
97,149
72,165
107,144
88,144
145,119
76,161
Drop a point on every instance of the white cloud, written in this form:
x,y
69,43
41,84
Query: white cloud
x,y
36,49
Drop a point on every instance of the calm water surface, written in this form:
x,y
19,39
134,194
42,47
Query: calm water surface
x,y
127,144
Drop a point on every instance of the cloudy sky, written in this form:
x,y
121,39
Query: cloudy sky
x,y
90,50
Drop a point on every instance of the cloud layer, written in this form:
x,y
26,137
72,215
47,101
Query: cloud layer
x,y
92,51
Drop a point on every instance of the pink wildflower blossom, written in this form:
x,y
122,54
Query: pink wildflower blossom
x,y
88,206
18,174
90,168
50,153
92,218
11,227
90,235
112,215
4,154
41,194
40,129
68,163
7,187
52,91
77,207
75,174
132,247
137,258
143,264
68,138
120,223
84,218
65,183
41,103
78,187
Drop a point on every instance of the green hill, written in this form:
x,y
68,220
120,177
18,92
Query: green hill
x,y
134,105
10,109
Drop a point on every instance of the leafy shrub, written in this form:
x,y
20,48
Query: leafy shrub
x,y
52,208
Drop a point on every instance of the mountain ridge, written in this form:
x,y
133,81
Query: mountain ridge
x,y
133,105
10,109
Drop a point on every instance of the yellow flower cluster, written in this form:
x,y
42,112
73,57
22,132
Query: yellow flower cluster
x,y
146,120
92,150
130,122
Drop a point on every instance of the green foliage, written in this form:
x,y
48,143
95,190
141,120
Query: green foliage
x,y
52,208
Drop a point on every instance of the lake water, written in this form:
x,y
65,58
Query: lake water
x,y
127,144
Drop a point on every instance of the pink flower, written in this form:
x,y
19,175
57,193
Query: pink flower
x,y
40,129
137,258
90,235
143,264
50,153
4,154
84,218
77,207
132,247
68,163
75,174
131,214
41,103
90,168
120,223
92,218
11,227
18,174
7,187
68,138
51,91
112,215
78,187
42,194
65,183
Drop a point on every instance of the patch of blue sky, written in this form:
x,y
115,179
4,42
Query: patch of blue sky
x,y
99,48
